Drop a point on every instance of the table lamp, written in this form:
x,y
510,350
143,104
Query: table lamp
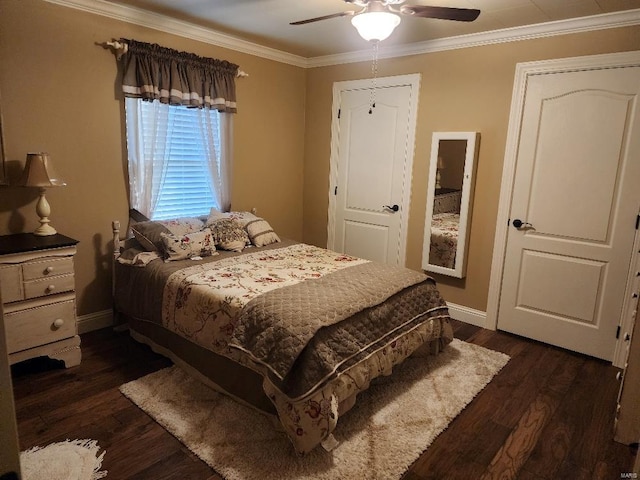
x,y
439,168
39,172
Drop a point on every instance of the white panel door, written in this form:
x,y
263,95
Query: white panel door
x,y
576,193
375,149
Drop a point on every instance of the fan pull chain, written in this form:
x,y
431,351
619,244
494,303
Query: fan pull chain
x,y
374,75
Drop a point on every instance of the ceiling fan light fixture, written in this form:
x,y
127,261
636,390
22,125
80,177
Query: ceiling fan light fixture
x,y
375,25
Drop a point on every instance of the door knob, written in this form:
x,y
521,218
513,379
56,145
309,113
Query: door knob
x,y
395,208
519,223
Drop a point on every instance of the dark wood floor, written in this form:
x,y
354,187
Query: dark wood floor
x,y
547,415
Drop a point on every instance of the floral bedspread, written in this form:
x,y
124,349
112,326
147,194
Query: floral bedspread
x,y
310,421
203,302
444,239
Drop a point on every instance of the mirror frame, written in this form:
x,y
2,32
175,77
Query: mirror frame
x,y
3,172
468,187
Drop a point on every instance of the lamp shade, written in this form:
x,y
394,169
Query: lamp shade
x,y
39,172
375,25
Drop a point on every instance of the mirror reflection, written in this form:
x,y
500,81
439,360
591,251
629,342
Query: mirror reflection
x,y
446,203
451,174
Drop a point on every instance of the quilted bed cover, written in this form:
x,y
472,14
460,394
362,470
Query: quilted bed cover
x,y
317,325
444,239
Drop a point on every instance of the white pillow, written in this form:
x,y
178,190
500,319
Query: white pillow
x,y
260,232
148,233
215,214
195,244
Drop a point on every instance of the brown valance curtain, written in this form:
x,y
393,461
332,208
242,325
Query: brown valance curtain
x,y
152,72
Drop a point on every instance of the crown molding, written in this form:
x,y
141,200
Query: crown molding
x,y
181,28
195,32
549,29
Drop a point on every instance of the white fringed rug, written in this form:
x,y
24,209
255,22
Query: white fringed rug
x,y
393,422
69,460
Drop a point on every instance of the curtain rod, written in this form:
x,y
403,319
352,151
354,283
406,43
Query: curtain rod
x,y
120,48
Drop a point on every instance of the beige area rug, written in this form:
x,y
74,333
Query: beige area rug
x,y
392,423
69,460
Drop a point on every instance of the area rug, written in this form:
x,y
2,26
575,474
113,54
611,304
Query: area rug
x,y
69,460
393,422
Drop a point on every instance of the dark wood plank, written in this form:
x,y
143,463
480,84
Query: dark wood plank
x,y
463,331
509,460
176,467
547,415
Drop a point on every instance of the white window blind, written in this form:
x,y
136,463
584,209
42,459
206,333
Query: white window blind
x,y
186,185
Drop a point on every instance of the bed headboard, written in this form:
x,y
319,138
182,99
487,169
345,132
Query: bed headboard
x,y
116,244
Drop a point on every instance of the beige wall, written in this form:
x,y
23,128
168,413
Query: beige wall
x,y
60,95
461,90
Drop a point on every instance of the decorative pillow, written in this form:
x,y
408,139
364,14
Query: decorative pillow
x,y
148,233
136,216
228,234
196,244
241,217
215,214
260,232
136,257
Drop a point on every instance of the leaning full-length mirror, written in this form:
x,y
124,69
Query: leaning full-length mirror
x,y
449,198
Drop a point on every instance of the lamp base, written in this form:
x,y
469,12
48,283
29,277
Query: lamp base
x,y
44,230
43,210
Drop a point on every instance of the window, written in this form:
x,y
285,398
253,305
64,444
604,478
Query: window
x,y
175,164
187,189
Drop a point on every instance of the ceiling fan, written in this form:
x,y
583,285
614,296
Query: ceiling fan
x,y
378,18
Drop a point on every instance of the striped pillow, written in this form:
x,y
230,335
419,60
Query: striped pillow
x,y
260,232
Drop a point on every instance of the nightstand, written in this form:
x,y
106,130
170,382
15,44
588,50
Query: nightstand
x,y
38,295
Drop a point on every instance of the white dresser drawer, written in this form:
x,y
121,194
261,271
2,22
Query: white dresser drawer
x,y
38,295
11,283
39,326
48,267
48,286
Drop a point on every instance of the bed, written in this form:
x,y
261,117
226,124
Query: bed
x,y
292,330
444,239
444,228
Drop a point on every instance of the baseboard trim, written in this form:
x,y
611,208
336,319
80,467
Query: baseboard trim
x,y
467,315
95,321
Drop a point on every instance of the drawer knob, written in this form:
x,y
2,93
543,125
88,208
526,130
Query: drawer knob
x,y
58,322
48,270
51,288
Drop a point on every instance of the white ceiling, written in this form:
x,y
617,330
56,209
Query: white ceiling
x,y
266,22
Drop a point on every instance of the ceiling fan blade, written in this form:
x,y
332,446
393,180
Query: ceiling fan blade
x,y
324,17
442,13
